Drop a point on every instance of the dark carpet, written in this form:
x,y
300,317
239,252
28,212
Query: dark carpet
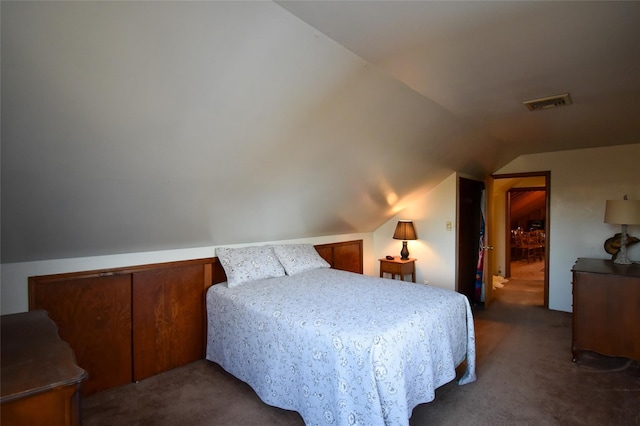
x,y
524,367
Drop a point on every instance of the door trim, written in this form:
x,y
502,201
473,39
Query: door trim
x,y
547,188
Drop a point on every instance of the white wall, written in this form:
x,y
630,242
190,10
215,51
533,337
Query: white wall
x,y
148,126
435,248
14,285
581,182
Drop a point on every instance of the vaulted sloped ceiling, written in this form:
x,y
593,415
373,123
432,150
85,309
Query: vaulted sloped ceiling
x,y
482,59
139,126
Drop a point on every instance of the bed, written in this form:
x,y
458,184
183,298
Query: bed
x,y
338,347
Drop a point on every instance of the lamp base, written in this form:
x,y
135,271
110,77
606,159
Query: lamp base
x,y
404,253
621,257
624,261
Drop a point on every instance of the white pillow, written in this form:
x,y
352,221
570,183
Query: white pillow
x,y
247,264
298,258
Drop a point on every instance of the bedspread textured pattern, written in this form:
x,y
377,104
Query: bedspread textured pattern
x,y
341,348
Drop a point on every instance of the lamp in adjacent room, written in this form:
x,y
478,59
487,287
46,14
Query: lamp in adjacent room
x,y
622,212
405,231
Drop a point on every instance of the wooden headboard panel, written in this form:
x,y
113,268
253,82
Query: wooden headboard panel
x,y
346,256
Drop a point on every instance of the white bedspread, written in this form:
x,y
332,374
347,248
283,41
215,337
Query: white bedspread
x,y
341,348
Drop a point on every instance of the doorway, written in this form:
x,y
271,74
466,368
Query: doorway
x,y
525,219
525,225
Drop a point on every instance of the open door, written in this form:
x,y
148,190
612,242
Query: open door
x,y
469,282
489,235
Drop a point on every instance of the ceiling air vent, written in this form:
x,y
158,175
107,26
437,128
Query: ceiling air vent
x,y
548,102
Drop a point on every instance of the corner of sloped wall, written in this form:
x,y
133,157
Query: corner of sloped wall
x,y
435,247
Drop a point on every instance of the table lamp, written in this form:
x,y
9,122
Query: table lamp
x,y
622,212
405,231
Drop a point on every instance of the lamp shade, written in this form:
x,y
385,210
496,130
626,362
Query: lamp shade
x,y
405,231
622,212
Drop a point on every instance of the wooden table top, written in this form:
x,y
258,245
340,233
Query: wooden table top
x,y
33,357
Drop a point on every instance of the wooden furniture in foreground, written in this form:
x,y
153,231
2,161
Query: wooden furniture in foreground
x,y
606,308
398,266
127,324
40,379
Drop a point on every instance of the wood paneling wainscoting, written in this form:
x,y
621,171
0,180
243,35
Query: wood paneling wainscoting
x,y
345,256
127,324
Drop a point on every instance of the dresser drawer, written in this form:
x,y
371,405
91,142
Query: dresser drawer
x,y
391,268
399,267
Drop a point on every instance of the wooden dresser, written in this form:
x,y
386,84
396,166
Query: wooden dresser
x,y
40,379
606,308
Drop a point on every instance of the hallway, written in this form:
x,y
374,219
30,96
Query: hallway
x,y
521,270
525,286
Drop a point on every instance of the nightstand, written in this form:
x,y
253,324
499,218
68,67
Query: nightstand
x,y
398,266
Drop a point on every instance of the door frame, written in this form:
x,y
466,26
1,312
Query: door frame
x,y
489,238
547,187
